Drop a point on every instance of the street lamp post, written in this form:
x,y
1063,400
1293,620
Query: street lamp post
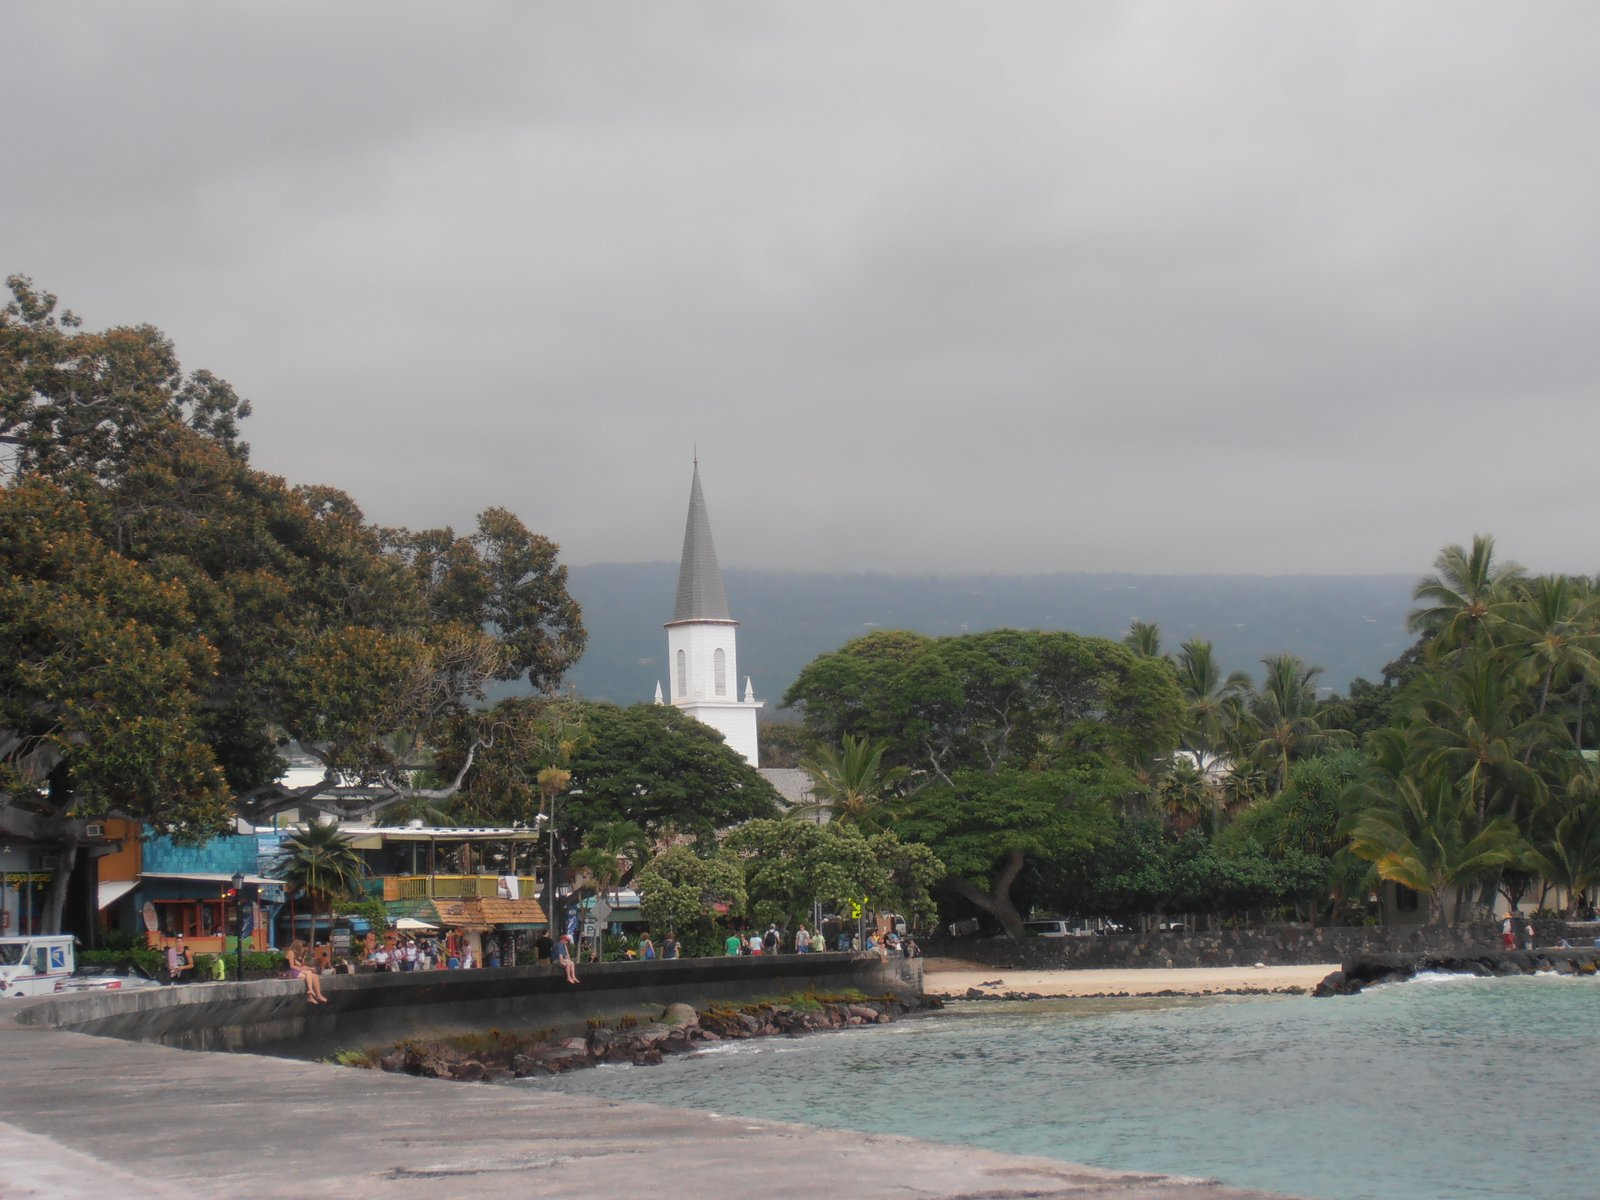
x,y
238,900
550,878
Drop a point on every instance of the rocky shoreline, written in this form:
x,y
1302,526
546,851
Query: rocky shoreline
x,y
1367,970
501,1057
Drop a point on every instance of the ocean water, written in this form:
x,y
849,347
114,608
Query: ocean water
x,y
1438,1089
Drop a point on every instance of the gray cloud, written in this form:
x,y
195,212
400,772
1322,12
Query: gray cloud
x,y
1256,287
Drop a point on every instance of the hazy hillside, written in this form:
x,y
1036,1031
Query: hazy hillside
x,y
1349,625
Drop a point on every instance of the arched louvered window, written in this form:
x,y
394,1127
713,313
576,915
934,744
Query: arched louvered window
x,y
720,671
683,673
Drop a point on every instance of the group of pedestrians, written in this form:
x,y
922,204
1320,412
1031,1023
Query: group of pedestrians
x,y
1516,932
770,942
804,941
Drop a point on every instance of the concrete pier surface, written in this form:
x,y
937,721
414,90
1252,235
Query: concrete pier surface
x,y
86,1116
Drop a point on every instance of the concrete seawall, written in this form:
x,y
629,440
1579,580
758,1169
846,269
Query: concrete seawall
x,y
272,1016
87,1117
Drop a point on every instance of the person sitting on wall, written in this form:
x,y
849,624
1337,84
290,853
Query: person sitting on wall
x,y
295,956
564,958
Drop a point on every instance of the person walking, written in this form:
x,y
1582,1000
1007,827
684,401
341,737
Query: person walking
x,y
647,948
734,945
669,947
769,940
802,941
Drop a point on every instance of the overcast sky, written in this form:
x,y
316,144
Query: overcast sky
x,y
1226,287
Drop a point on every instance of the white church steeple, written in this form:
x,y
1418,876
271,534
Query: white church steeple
x,y
702,651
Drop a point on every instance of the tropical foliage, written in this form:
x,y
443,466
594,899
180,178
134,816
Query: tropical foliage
x,y
852,786
175,618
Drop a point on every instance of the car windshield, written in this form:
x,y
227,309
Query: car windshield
x,y
11,955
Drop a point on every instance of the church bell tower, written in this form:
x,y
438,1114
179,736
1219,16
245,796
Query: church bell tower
x,y
702,651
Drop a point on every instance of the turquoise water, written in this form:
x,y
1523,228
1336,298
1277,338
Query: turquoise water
x,y
1438,1089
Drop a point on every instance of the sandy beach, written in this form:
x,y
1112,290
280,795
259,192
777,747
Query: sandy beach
x,y
952,977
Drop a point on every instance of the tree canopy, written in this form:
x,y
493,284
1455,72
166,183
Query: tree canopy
x,y
228,612
651,764
1019,744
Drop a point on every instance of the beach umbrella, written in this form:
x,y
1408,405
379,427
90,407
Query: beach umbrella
x,y
413,923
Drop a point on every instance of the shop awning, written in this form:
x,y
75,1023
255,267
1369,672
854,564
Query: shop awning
x,y
111,892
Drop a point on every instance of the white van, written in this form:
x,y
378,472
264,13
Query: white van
x,y
1055,927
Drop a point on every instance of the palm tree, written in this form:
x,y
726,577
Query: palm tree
x,y
1569,855
1282,717
320,862
1456,601
1418,837
1186,798
1243,785
1144,639
1470,724
612,854
1214,702
418,806
852,786
1553,625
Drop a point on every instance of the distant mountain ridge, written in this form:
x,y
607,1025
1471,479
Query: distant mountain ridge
x,y
1350,625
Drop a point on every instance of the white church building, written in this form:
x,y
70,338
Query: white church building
x,y
702,641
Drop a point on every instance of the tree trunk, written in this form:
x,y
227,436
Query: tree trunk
x,y
997,901
55,895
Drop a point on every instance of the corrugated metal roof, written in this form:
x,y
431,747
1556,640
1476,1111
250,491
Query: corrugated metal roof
x,y
471,913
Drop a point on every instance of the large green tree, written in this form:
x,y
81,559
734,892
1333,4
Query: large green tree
x,y
688,894
650,764
1019,744
790,864
301,621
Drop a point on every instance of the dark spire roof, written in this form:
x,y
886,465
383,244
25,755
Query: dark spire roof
x,y
700,594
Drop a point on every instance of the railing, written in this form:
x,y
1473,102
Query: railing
x,y
452,887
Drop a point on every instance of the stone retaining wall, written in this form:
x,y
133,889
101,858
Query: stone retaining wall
x,y
273,1016
1284,945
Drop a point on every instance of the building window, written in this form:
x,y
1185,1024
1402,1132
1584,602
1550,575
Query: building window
x,y
683,673
720,671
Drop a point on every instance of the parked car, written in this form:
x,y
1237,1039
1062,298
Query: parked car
x,y
1055,927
